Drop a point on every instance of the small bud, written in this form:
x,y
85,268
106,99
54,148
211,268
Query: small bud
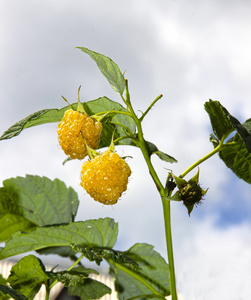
x,y
190,192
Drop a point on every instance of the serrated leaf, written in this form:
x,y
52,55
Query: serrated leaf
x,y
112,121
224,123
92,233
37,118
154,272
219,120
64,251
98,254
6,290
9,224
92,107
75,276
244,131
108,68
91,289
237,158
152,149
42,201
27,276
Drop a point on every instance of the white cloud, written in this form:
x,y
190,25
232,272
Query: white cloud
x,y
215,264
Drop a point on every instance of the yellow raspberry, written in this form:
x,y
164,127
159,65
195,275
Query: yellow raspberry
x,y
105,177
71,130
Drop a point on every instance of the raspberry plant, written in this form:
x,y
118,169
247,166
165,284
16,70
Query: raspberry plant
x,y
37,214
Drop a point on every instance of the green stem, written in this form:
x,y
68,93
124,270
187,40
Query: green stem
x,y
166,204
167,219
72,266
214,151
139,278
151,105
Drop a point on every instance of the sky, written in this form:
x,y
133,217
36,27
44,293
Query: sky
x,y
189,51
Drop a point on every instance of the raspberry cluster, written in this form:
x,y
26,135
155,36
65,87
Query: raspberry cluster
x,y
71,130
105,177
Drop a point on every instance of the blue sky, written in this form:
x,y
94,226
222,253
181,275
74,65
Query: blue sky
x,y
187,51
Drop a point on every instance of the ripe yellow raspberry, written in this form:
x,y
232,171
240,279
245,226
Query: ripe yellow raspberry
x,y
105,177
71,130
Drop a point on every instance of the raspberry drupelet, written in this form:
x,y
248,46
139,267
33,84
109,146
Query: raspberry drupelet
x,y
76,128
105,177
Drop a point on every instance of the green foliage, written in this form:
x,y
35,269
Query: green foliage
x,y
151,279
71,277
236,152
109,69
92,289
123,123
92,233
34,201
98,254
27,276
6,292
152,149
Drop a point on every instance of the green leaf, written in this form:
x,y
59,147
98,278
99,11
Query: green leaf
x,y
75,276
11,215
109,69
6,290
64,251
152,279
98,254
92,233
236,152
243,130
236,157
92,289
120,121
9,224
40,200
152,149
37,118
224,123
27,276
219,119
3,289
